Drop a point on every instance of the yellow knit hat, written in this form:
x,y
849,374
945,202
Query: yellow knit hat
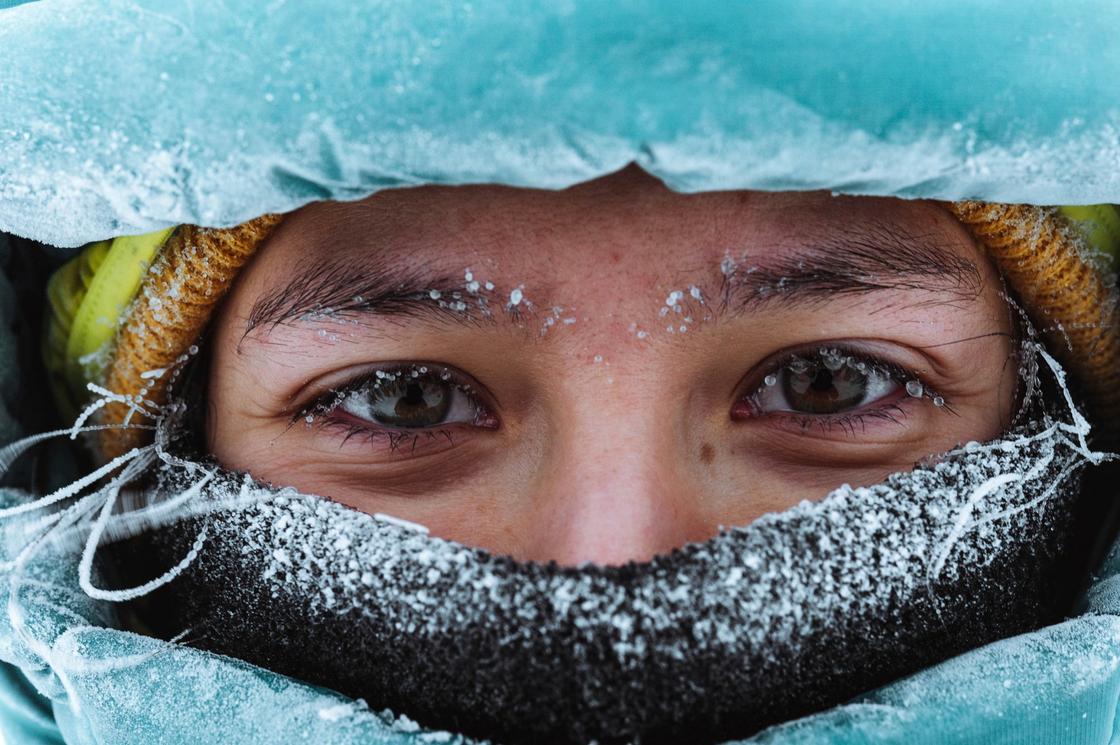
x,y
117,321
124,313
1059,262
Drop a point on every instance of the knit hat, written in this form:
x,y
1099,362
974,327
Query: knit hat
x,y
1060,262
125,313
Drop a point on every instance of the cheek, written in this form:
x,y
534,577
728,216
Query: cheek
x,y
239,446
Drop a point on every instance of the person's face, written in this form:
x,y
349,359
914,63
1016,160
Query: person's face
x,y
604,373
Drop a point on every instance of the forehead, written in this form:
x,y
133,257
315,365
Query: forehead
x,y
628,225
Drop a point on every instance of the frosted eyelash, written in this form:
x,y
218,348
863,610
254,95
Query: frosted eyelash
x,y
327,403
897,373
892,413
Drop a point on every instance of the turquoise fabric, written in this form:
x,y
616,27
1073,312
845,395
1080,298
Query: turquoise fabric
x,y
27,717
123,116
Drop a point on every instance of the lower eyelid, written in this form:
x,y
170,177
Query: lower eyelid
x,y
393,441
852,424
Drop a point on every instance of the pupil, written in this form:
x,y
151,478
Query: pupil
x,y
412,404
818,390
413,395
822,381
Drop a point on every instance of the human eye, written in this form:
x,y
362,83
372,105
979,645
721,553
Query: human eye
x,y
402,404
828,386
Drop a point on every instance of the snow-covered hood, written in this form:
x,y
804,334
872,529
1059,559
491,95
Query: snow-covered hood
x,y
121,117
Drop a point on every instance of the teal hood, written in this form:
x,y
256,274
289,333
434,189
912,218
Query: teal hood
x,y
122,117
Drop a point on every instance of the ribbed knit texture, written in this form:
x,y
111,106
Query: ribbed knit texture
x,y
193,272
1067,294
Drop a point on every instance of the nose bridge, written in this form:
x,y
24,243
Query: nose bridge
x,y
612,489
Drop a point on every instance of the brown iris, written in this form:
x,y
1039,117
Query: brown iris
x,y
816,389
411,403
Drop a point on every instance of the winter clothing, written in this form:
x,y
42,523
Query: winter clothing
x,y
1069,295
152,328
1010,102
956,102
193,271
86,297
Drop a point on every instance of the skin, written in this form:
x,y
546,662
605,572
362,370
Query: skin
x,y
607,438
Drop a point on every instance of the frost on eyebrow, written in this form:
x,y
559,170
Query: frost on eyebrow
x,y
333,289
873,257
863,259
679,310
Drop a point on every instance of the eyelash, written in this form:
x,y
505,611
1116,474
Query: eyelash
x,y
318,413
826,423
398,442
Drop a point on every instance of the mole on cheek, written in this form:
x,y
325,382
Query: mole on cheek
x,y
707,453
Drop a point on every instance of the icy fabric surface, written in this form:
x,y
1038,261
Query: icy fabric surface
x,y
116,687
119,117
1059,684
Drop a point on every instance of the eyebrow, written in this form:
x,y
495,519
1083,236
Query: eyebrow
x,y
876,257
873,257
376,286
